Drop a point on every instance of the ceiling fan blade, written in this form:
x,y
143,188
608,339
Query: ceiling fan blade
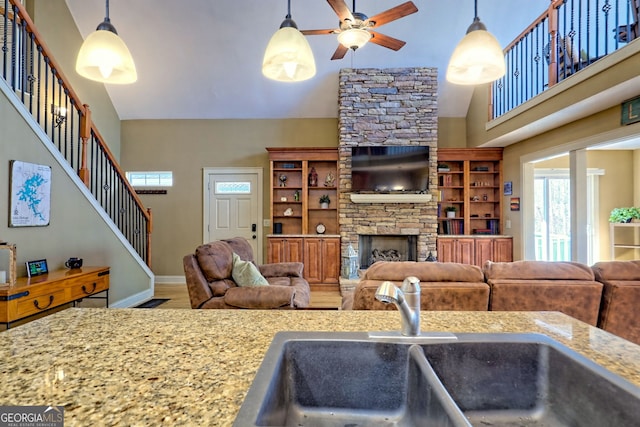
x,y
386,41
392,14
318,32
340,52
341,9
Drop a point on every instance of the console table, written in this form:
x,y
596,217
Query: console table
x,y
30,296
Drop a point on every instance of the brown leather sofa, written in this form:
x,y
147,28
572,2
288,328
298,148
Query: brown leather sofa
x,y
444,286
620,298
569,287
208,272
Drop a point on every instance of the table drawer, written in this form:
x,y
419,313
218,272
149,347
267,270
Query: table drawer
x,y
85,286
35,304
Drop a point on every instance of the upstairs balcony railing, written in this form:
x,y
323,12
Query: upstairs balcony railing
x,y
567,37
29,68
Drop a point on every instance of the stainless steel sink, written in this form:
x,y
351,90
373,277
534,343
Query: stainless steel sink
x,y
352,379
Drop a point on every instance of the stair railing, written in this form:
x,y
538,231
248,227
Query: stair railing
x,y
567,37
29,68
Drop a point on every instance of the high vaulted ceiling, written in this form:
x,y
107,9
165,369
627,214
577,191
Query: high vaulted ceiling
x,y
201,59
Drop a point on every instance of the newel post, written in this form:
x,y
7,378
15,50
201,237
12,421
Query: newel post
x,y
553,42
85,134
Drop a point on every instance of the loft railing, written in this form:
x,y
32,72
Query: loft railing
x,y
567,37
28,66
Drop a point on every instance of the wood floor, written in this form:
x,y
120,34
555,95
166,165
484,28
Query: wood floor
x,y
179,297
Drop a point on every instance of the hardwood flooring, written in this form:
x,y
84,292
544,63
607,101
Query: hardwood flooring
x,y
179,297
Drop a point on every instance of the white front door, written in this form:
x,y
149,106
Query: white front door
x,y
233,205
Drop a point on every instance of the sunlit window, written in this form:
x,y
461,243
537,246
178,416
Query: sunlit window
x,y
150,179
233,187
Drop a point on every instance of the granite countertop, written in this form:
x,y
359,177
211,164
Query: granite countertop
x,y
139,367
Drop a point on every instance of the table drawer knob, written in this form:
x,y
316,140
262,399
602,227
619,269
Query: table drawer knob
x,y
84,289
35,302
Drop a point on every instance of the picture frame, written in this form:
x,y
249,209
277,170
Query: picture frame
x,y
508,188
37,267
30,194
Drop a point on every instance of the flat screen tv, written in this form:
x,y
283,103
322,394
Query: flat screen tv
x,y
390,169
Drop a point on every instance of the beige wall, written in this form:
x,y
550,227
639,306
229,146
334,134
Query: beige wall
x,y
55,23
186,147
75,228
452,132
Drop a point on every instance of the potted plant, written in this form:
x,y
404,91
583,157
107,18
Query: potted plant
x,y
443,167
451,211
624,214
324,201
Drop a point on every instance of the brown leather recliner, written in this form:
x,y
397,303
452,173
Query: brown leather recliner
x,y
210,283
568,287
620,298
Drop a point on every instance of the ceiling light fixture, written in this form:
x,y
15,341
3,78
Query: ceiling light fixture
x,y
104,57
288,57
478,58
354,38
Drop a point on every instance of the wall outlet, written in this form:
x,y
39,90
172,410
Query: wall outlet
x,y
507,223
266,223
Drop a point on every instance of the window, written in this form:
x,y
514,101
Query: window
x,y
150,179
243,187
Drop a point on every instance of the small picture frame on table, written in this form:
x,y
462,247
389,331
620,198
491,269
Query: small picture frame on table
x,y
37,268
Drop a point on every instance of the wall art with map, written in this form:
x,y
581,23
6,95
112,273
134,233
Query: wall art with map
x,y
30,195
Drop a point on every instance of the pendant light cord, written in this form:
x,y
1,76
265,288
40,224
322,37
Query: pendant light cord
x,y
475,9
288,9
106,18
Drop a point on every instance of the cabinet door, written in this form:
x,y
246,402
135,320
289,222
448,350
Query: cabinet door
x,y
464,251
484,251
331,260
445,250
502,250
284,250
313,260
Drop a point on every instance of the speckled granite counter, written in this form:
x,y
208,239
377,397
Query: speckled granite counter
x,y
133,367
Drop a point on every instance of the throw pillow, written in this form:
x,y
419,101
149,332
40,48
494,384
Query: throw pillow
x,y
245,273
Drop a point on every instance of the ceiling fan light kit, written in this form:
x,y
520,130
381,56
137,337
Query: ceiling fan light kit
x,y
478,58
104,57
288,57
354,38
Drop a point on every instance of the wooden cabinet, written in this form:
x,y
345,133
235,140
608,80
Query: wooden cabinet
x,y
281,249
470,181
322,260
30,296
474,250
299,177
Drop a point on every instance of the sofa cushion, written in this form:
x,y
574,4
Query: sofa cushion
x,y
260,297
215,260
617,270
537,270
425,271
244,273
242,247
219,287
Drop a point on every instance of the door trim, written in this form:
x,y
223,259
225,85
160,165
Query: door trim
x,y
205,201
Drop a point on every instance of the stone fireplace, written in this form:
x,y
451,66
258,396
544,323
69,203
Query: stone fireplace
x,y
388,107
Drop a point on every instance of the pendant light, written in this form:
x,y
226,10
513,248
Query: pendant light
x,y
478,58
104,57
288,57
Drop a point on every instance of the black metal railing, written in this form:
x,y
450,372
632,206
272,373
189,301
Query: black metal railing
x,y
567,37
33,74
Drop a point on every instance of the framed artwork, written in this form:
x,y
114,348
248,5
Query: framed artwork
x,y
30,196
36,268
508,189
515,203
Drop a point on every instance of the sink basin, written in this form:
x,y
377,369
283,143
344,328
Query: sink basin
x,y
352,379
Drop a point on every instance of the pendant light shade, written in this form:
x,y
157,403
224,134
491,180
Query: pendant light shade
x,y
104,57
354,38
288,57
478,58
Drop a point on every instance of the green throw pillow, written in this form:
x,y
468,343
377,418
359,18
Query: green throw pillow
x,y
244,273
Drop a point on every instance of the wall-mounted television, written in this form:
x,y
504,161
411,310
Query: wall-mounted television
x,y
390,169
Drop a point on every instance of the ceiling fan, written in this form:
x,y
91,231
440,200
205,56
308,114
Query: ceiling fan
x,y
356,28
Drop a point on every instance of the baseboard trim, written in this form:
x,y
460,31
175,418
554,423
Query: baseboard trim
x,y
171,279
133,300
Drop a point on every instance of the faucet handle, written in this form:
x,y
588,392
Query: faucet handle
x,y
411,284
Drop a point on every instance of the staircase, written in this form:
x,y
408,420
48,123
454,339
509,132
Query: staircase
x,y
28,67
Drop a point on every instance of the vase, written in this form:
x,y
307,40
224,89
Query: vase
x,y
324,205
451,214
